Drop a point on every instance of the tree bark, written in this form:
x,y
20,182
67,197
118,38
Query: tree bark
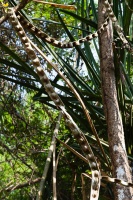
x,y
119,160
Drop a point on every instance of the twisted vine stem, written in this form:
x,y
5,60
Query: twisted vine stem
x,y
78,134
116,180
42,35
105,178
39,33
119,29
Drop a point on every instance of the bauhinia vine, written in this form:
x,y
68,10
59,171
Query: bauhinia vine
x,y
34,30
39,33
78,134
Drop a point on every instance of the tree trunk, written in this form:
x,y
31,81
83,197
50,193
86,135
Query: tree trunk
x,y
119,160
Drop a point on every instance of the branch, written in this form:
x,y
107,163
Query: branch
x,y
69,7
21,185
49,157
20,6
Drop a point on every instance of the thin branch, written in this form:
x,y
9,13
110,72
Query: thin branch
x,y
39,195
31,182
84,195
73,184
20,6
73,151
61,150
69,7
54,157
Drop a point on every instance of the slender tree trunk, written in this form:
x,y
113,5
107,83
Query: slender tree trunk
x,y
119,160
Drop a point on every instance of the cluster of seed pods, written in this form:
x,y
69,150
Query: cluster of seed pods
x,y
40,34
77,133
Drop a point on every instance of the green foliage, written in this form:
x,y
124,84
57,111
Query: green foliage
x,y
24,141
